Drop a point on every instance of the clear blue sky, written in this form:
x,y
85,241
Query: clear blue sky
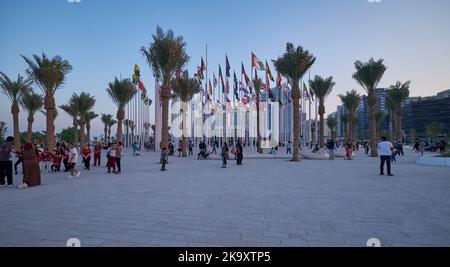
x,y
101,39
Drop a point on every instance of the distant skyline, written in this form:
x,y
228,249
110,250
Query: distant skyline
x,y
102,38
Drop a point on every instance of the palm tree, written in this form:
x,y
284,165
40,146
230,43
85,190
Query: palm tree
x,y
85,103
351,102
293,64
396,95
3,129
379,116
185,88
32,102
72,110
49,75
121,92
106,120
433,130
332,123
89,117
321,88
14,90
166,55
112,122
257,84
368,75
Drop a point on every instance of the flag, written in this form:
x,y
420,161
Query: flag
x,y
279,80
305,91
141,85
227,66
257,63
256,74
311,93
210,87
268,90
215,80
202,66
244,74
242,87
236,92
199,74
269,72
221,79
227,87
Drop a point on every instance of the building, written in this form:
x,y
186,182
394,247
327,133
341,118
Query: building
x,y
362,126
419,113
443,94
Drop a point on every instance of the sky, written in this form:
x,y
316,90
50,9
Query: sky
x,y
102,39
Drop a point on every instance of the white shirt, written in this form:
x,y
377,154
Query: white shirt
x,y
73,153
385,148
112,152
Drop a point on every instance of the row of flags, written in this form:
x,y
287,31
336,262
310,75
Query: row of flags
x,y
136,78
246,86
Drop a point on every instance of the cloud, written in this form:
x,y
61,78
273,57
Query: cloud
x,y
374,1
74,1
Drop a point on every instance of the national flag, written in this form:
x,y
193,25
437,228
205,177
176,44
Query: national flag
x,y
311,93
141,85
268,90
305,91
257,63
227,99
227,87
244,74
256,74
269,72
227,66
215,80
210,87
200,73
279,80
236,93
221,79
202,66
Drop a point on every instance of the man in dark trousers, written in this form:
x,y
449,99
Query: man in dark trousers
x,y
385,149
239,153
6,166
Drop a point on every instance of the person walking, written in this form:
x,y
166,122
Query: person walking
x,y
6,167
331,145
86,154
239,153
163,159
215,146
225,151
119,151
385,149
289,147
31,171
191,148
97,154
180,148
73,158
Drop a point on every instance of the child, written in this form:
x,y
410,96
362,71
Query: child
x,y
348,151
112,159
56,166
394,153
163,159
224,155
46,158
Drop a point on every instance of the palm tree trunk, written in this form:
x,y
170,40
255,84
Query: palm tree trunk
x,y
83,140
29,129
106,134
165,95
296,118
120,117
50,108
185,108
127,137
258,128
88,133
322,125
372,125
15,112
75,133
109,134
399,126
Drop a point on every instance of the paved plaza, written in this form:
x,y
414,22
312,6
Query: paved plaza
x,y
266,202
